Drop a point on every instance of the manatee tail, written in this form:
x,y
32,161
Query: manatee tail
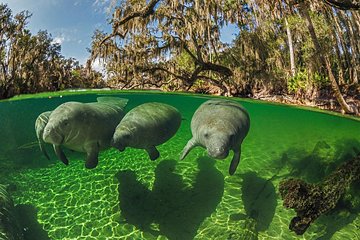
x,y
120,102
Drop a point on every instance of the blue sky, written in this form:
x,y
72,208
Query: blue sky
x,y
72,22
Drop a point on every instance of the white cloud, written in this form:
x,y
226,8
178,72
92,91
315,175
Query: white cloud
x,y
58,40
66,35
106,6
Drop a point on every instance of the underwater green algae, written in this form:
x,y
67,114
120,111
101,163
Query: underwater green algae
x,y
130,197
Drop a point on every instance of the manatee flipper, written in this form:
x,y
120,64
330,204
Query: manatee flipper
x,y
41,144
235,161
189,146
60,154
42,148
92,156
40,124
153,152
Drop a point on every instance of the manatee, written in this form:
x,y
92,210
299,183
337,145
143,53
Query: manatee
x,y
84,127
147,126
40,124
219,126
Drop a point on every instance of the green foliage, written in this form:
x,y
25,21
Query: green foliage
x,y
298,82
177,47
184,61
320,80
304,80
33,63
76,73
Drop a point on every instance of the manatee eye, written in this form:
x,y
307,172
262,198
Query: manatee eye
x,y
206,135
66,123
126,136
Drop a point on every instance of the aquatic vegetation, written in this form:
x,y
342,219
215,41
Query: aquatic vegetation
x,y
310,201
9,226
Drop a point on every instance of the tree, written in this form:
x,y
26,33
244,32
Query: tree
x,y
344,4
175,45
325,60
146,37
32,63
291,48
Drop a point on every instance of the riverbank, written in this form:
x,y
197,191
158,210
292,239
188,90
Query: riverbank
x,y
276,99
323,104
323,99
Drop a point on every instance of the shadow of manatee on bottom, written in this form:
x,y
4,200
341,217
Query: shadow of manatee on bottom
x,y
260,200
27,217
177,209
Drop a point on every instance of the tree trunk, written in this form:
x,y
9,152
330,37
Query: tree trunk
x,y
344,4
356,20
337,44
291,49
324,60
356,41
341,34
354,51
355,23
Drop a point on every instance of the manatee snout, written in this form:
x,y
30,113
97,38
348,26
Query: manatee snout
x,y
217,146
50,135
218,152
116,142
216,140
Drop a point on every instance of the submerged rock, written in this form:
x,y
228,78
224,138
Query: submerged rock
x,y
310,201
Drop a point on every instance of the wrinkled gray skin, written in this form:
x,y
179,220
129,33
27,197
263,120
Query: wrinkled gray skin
x,y
147,126
219,126
84,127
40,124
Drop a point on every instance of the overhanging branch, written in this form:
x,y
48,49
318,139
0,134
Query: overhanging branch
x,y
344,4
143,13
154,69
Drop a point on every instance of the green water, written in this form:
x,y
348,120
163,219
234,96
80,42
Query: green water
x,y
130,197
